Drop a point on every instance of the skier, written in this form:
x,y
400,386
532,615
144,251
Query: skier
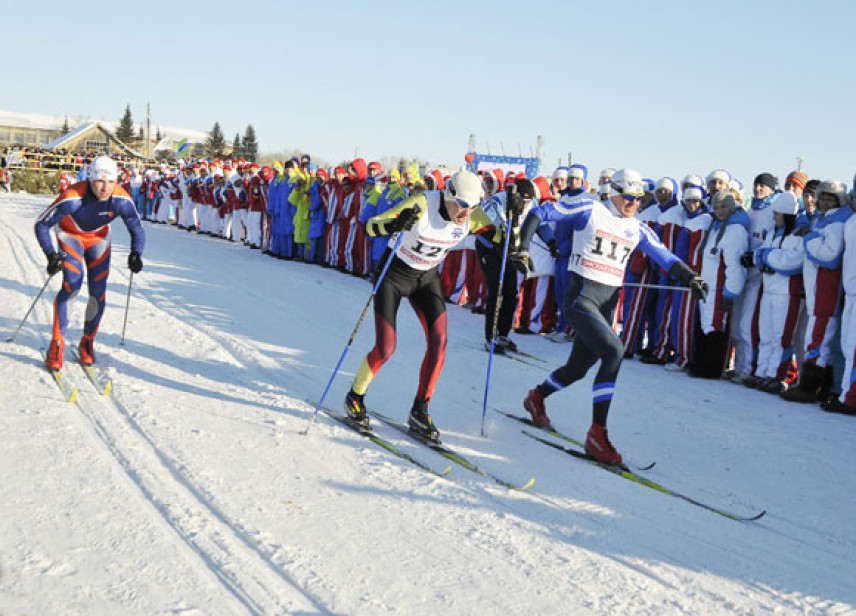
x,y
432,223
603,241
82,216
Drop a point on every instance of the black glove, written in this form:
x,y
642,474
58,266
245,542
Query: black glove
x,y
747,259
553,247
513,202
406,219
699,288
521,261
55,261
727,303
135,263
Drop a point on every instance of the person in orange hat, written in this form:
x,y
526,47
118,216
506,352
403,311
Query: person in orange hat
x,y
352,248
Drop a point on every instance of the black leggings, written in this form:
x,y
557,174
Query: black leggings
x,y
490,258
590,309
423,290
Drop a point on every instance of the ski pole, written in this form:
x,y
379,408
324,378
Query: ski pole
x,y
33,305
127,304
356,329
496,319
655,286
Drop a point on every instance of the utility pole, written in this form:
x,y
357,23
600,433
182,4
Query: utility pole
x,y
148,130
800,160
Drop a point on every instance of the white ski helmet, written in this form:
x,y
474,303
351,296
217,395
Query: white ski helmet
x,y
466,188
627,181
103,168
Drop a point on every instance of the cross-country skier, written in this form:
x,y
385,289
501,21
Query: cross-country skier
x,y
82,216
432,222
603,240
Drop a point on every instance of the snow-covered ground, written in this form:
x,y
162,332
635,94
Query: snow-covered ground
x,y
195,493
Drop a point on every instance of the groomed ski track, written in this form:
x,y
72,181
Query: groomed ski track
x,y
193,491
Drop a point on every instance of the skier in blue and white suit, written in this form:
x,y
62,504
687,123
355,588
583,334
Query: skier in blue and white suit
x,y
603,240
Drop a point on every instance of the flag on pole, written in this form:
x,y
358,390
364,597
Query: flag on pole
x,y
181,147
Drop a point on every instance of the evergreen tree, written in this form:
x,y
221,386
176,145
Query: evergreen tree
x,y
65,128
158,136
237,148
216,142
125,132
250,145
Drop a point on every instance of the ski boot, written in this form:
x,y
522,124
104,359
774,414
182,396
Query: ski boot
x,y
356,410
420,422
86,350
599,447
55,355
498,349
507,343
534,405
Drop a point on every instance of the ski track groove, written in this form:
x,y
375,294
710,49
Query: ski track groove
x,y
242,567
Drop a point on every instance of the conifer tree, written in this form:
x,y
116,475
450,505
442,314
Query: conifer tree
x,y
125,132
216,142
249,145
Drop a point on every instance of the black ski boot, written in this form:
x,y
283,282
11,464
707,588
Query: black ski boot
x,y
356,410
420,422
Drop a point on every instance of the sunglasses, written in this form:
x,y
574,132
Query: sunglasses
x,y
627,196
463,204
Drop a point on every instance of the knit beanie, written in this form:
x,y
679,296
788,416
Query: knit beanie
x,y
767,179
797,178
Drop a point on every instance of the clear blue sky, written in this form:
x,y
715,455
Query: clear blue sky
x,y
667,87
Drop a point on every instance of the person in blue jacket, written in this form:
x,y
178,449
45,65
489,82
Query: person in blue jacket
x,y
82,215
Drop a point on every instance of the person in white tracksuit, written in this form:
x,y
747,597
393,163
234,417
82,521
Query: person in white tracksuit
x,y
744,318
723,244
780,261
846,403
822,273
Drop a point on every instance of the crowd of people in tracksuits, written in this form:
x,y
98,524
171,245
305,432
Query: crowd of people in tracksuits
x,y
780,260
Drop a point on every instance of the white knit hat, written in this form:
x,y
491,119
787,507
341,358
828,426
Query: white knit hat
x,y
786,203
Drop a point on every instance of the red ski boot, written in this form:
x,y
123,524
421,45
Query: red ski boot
x,y
599,447
56,352
87,353
534,405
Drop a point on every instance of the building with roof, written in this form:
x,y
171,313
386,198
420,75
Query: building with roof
x,y
46,132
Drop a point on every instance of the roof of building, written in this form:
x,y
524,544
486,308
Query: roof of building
x,y
48,122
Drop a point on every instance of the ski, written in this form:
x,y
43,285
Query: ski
x,y
68,390
526,355
522,359
102,383
449,453
385,444
626,473
560,435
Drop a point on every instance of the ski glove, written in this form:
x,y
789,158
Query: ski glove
x,y
406,219
699,288
513,203
521,261
135,263
747,259
553,247
55,262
